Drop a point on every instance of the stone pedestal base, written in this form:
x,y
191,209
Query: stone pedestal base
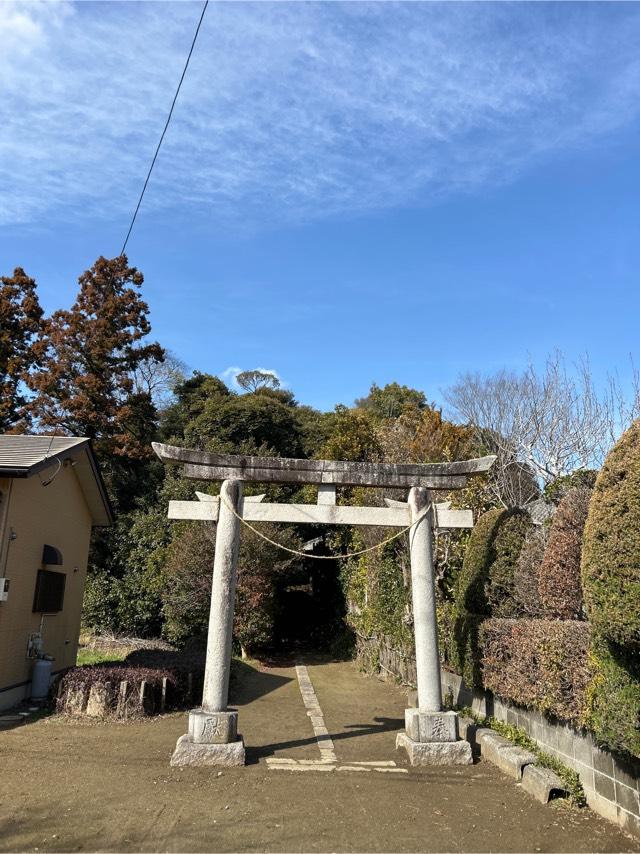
x,y
213,727
435,752
212,740
431,726
189,753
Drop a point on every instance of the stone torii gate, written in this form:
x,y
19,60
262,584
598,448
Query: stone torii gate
x,y
431,735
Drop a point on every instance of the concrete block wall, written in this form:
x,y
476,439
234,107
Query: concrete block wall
x,y
611,783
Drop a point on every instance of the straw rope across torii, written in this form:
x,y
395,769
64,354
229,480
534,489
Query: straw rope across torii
x,y
431,735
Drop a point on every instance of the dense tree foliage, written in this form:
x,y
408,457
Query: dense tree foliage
x,y
391,401
257,379
87,356
20,316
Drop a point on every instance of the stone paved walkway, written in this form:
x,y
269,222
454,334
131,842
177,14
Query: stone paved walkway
x,y
68,786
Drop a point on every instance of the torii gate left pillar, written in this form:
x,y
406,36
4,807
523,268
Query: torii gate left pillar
x,y
212,738
431,734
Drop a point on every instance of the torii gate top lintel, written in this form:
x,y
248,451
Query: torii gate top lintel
x,y
202,465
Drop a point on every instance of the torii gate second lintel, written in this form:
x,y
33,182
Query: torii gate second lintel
x,y
431,735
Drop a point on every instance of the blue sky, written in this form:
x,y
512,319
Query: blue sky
x,y
348,193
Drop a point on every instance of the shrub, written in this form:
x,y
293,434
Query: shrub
x,y
611,552
485,584
99,691
446,615
187,590
378,593
260,566
187,585
526,576
100,602
613,697
100,674
465,654
559,580
507,546
541,664
470,591
558,488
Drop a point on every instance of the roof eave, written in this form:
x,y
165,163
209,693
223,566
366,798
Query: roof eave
x,y
9,471
101,487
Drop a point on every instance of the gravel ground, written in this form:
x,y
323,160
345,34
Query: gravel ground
x,y
76,786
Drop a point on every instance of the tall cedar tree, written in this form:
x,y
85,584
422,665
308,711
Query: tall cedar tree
x,y
87,356
20,316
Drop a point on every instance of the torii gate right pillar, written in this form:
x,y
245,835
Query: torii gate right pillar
x,y
431,734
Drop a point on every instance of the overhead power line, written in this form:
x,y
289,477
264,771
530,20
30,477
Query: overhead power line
x,y
173,103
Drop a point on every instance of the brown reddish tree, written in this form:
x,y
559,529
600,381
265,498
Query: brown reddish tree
x,y
88,356
20,316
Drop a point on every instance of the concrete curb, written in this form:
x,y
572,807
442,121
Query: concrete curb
x,y
542,783
512,760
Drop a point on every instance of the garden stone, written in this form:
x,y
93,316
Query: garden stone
x,y
76,700
98,702
489,739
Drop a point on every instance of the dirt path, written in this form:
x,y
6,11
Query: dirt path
x,y
108,787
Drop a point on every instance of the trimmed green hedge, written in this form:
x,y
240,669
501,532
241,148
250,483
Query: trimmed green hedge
x,y
486,582
559,581
470,588
613,701
540,664
526,577
611,551
464,652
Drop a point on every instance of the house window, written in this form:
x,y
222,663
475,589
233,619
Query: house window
x,y
51,556
49,595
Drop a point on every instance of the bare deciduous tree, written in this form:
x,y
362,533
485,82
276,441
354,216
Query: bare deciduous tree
x,y
159,379
543,424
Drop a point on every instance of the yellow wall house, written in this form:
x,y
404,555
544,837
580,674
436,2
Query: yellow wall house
x,y
51,496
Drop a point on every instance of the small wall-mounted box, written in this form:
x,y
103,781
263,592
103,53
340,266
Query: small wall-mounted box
x,y
4,589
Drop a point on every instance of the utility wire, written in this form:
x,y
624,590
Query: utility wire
x,y
173,103
135,213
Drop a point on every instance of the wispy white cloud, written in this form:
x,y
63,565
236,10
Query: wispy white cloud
x,y
229,375
296,111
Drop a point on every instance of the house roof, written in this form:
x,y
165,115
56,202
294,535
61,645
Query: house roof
x,y
24,456
540,510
